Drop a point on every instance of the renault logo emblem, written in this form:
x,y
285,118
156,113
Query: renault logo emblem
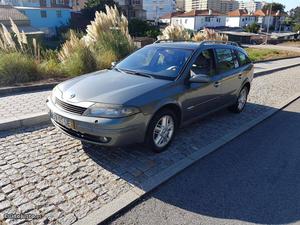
x,y
72,95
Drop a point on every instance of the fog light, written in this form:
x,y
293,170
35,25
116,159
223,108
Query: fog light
x,y
104,139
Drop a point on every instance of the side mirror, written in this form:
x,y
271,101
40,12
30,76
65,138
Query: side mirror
x,y
199,78
113,64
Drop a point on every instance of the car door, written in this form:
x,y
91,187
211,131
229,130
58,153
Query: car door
x,y
201,98
229,74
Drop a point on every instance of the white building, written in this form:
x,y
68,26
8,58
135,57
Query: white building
x,y
202,5
229,5
157,8
239,18
199,19
251,5
274,19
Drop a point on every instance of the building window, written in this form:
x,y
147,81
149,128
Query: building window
x,y
186,20
207,19
43,14
59,2
218,20
58,13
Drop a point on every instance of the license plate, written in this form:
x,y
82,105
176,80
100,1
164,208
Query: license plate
x,y
63,121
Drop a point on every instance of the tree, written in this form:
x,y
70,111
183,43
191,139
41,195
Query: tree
x,y
295,14
139,28
275,7
91,6
253,28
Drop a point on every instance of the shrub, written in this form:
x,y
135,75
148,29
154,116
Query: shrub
x,y
80,62
17,68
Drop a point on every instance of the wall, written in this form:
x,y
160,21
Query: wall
x,y
214,21
232,22
186,22
48,23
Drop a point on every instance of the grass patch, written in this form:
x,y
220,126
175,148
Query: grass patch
x,y
257,54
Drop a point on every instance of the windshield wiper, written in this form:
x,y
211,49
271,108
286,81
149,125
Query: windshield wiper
x,y
137,73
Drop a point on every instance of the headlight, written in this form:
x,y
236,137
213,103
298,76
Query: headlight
x,y
110,111
55,93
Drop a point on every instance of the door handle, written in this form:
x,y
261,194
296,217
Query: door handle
x,y
240,76
217,84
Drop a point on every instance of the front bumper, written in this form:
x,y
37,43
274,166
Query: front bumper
x,y
118,131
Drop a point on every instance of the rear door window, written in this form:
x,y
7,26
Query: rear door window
x,y
243,58
226,60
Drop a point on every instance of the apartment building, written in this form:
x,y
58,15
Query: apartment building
x,y
251,5
157,8
202,5
229,5
180,5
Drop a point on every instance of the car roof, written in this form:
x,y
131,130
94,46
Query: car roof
x,y
197,45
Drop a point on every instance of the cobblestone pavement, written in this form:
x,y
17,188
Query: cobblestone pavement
x,y
22,104
44,172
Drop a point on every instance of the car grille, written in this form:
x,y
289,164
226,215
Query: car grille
x,y
70,108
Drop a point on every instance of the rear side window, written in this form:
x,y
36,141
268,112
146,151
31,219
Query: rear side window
x,y
226,60
243,58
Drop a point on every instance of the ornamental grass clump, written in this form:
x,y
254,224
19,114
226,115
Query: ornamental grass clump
x,y
174,32
107,39
209,35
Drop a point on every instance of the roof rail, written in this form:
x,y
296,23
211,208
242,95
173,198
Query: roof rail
x,y
220,42
170,40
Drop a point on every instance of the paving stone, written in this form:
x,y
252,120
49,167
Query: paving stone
x,y
49,192
67,207
8,189
65,188
4,205
19,200
68,219
57,199
4,181
26,207
43,185
71,194
2,197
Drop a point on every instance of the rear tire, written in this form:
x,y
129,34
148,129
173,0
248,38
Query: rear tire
x,y
241,101
161,130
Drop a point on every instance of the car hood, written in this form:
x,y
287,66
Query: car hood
x,y
108,86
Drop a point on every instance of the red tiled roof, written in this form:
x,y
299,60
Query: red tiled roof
x,y
201,13
170,15
261,12
239,12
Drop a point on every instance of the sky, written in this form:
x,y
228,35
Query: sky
x,y
289,4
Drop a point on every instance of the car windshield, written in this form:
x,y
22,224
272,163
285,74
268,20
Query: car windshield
x,y
159,62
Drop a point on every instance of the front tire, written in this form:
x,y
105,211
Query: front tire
x,y
161,130
241,101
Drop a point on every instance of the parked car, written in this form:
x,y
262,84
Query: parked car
x,y
155,90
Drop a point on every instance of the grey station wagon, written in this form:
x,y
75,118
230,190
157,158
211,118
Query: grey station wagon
x,y
148,95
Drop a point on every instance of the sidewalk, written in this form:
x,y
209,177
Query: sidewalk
x,y
28,109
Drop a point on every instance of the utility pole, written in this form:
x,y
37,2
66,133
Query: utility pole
x,y
268,27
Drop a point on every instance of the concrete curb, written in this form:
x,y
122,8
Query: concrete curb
x,y
30,88
272,60
275,70
24,121
123,202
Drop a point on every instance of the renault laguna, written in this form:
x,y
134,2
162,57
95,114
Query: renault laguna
x,y
147,96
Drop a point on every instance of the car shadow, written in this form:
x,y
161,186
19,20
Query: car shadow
x,y
235,183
